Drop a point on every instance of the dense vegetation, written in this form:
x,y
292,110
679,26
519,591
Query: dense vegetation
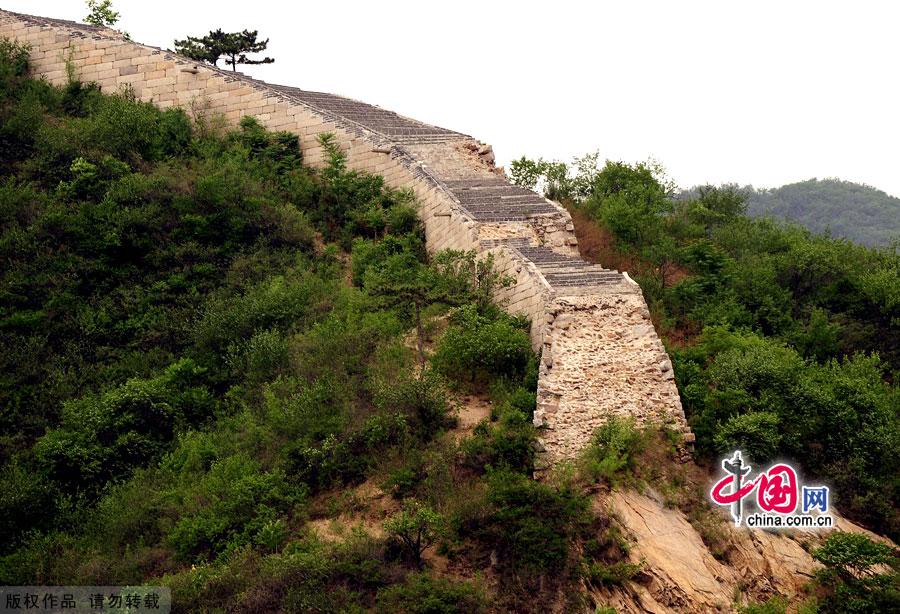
x,y
861,213
210,351
785,344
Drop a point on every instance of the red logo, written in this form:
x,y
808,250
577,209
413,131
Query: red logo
x,y
777,489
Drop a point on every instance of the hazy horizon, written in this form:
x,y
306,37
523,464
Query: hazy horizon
x,y
761,94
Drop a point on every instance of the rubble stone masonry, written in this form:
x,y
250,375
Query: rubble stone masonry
x,y
600,353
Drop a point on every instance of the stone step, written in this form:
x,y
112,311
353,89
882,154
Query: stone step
x,y
374,118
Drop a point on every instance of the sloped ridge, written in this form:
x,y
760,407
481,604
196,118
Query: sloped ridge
x,y
497,200
58,23
384,122
562,271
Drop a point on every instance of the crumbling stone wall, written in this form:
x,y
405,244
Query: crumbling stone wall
x,y
600,354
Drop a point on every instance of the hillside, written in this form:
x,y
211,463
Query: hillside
x,y
211,379
850,210
242,378
783,342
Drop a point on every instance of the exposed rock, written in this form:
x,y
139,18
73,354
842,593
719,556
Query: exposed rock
x,y
679,573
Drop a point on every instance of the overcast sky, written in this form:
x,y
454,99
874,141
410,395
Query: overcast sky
x,y
723,91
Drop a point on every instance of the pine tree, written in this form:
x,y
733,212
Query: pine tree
x,y
234,46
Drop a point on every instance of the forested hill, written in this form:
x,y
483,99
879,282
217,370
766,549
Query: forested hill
x,y
850,210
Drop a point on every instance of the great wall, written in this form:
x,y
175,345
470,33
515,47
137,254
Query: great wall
x,y
600,353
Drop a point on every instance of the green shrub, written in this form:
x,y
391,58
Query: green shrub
x,y
28,502
402,481
759,433
416,528
346,460
614,449
235,503
854,555
305,412
422,594
277,302
259,359
860,575
279,151
475,349
367,253
421,398
508,446
129,129
775,605
531,525
13,65
610,574
105,437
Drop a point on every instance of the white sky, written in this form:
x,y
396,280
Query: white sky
x,y
751,92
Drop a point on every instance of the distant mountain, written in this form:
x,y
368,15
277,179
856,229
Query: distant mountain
x,y
855,211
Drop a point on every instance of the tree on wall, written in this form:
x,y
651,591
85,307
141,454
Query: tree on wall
x,y
233,45
101,13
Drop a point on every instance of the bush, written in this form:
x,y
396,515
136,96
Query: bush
x,y
367,253
13,65
508,446
28,502
259,359
759,433
416,527
860,575
614,449
279,151
105,437
346,460
278,302
235,503
421,398
299,411
421,594
610,574
531,525
129,129
775,605
854,555
475,349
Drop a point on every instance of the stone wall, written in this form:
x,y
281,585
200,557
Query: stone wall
x,y
600,354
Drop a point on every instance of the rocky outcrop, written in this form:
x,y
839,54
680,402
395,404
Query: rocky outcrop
x,y
679,574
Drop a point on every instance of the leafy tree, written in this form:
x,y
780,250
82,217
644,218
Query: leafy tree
x,y
416,527
715,206
478,347
404,280
451,277
854,555
631,200
860,575
233,45
557,180
101,13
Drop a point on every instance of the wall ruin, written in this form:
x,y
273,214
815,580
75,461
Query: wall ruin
x,y
600,353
